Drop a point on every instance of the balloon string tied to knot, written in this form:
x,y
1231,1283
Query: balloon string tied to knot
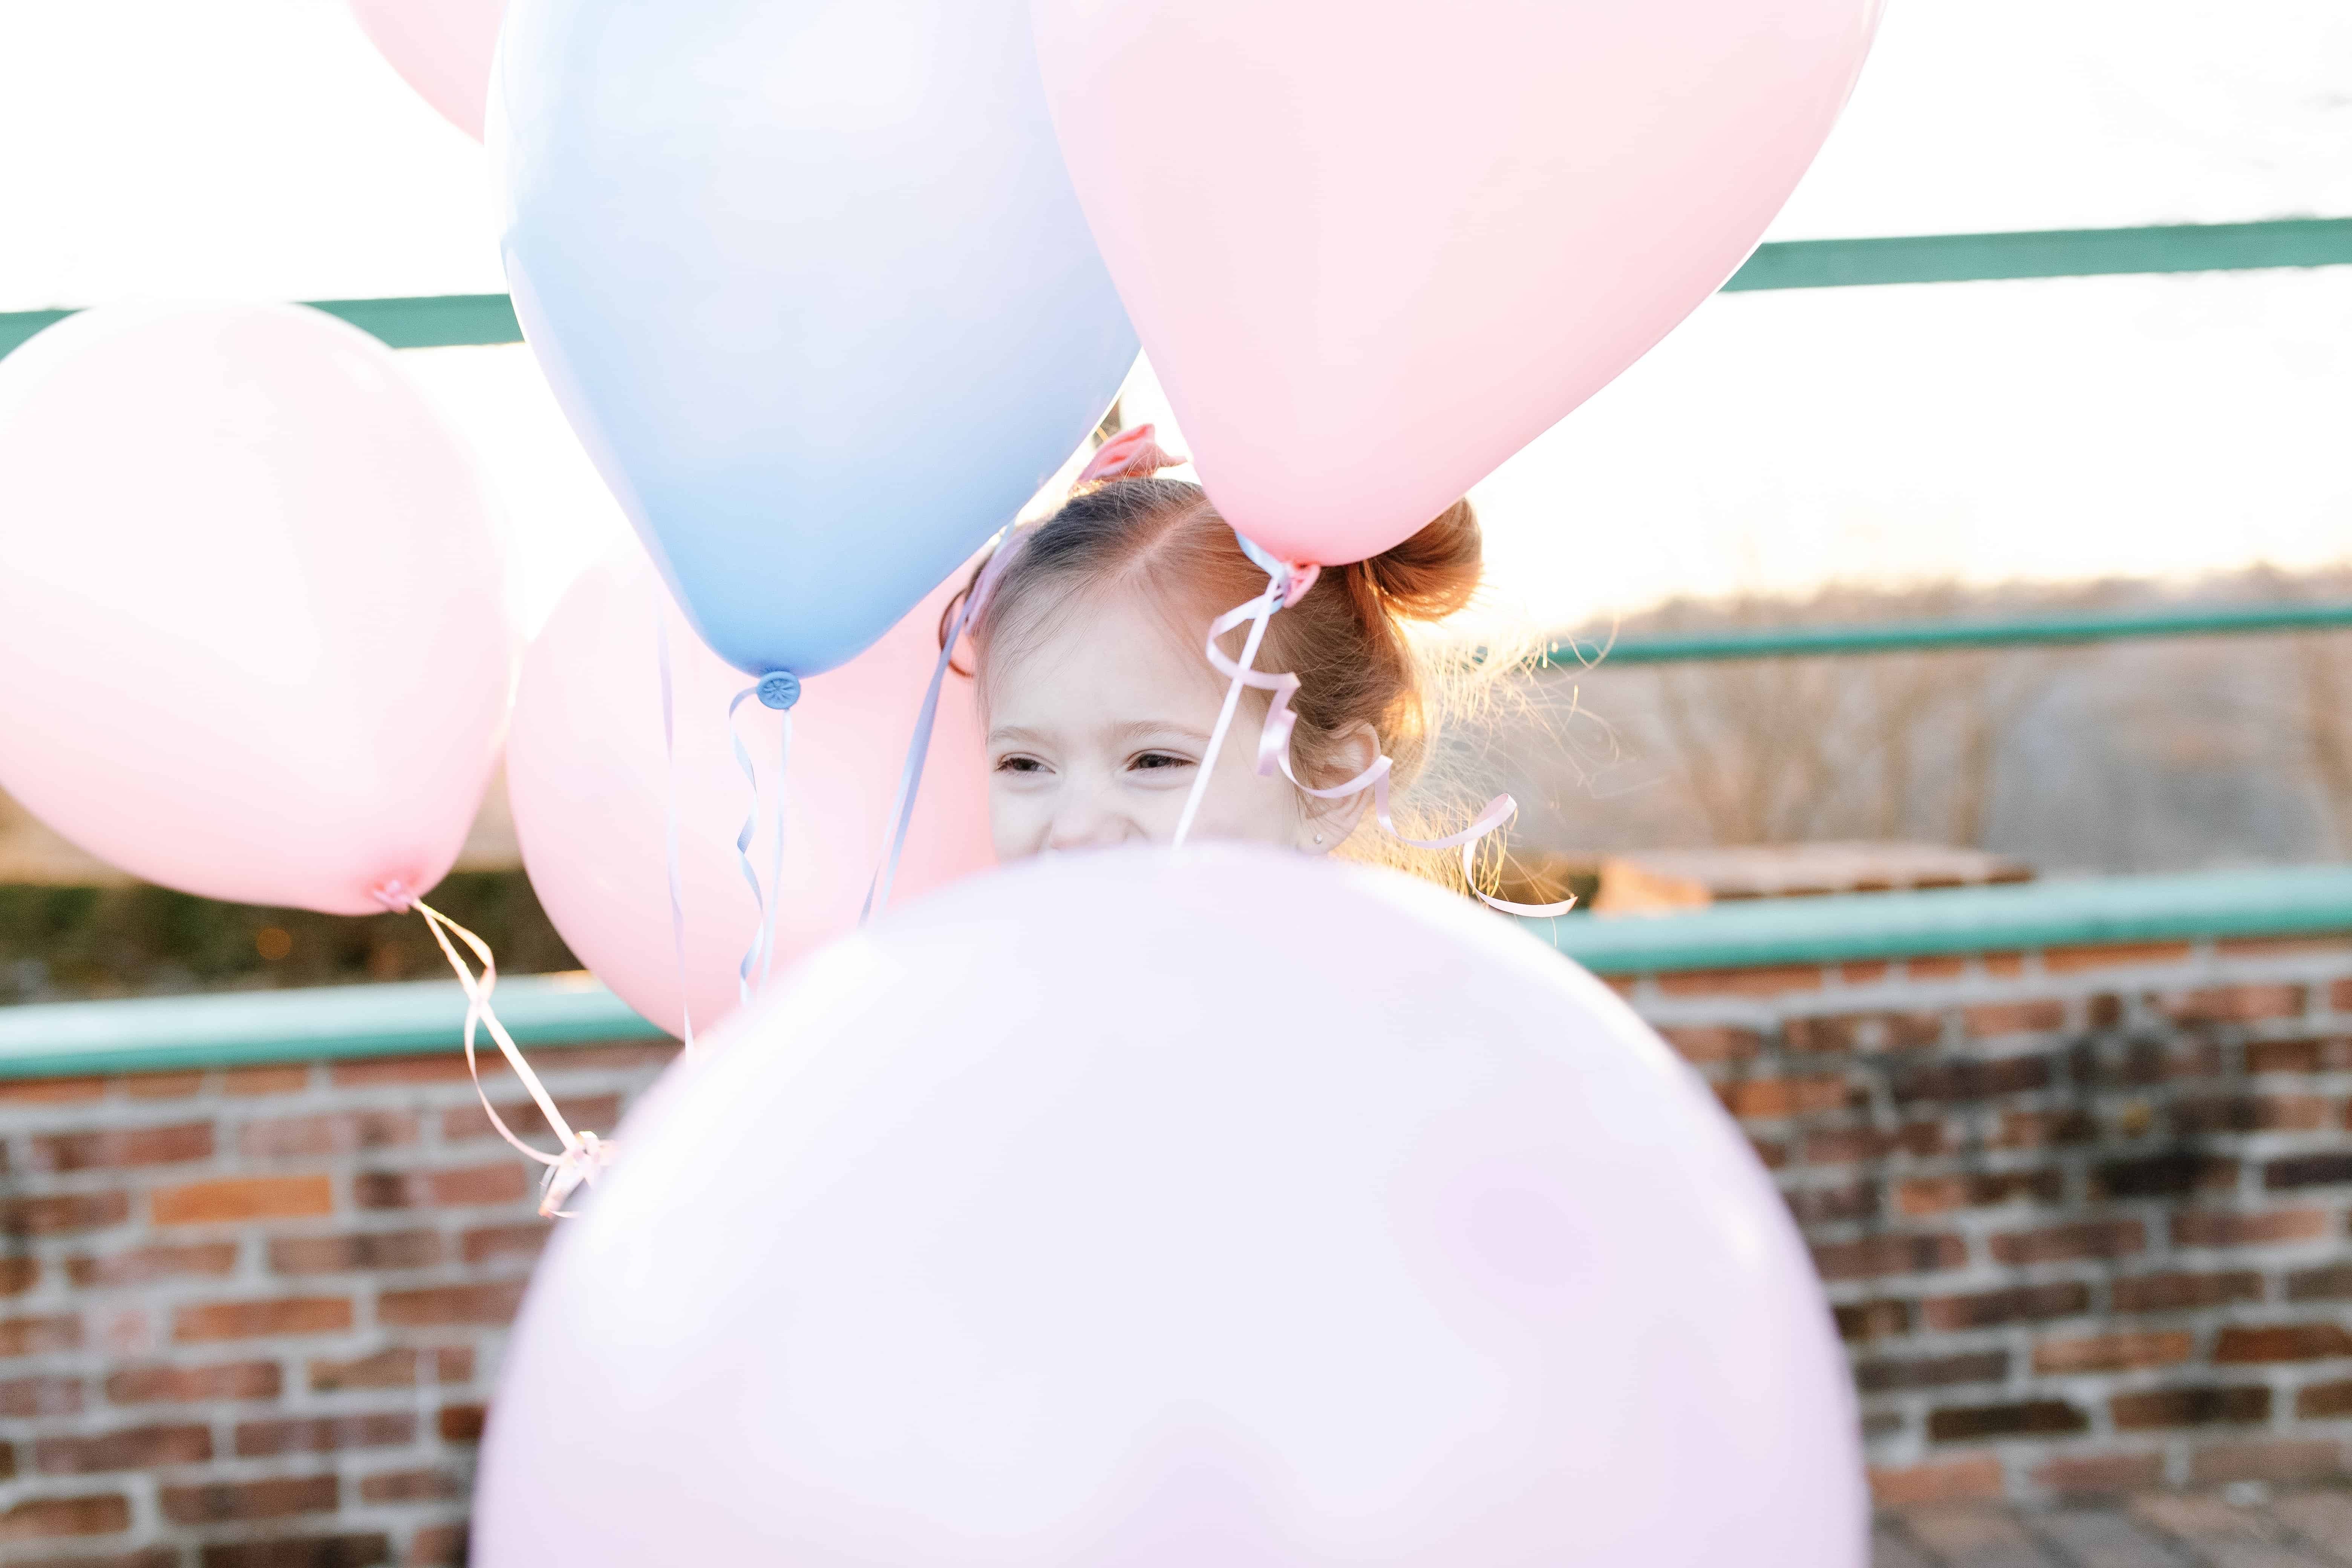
x,y
779,690
584,1156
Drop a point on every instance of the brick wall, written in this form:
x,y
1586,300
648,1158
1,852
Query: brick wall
x,y
249,1317
2082,1214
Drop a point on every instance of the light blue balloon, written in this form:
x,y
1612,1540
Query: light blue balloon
x,y
811,283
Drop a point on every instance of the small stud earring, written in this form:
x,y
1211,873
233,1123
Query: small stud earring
x,y
1319,838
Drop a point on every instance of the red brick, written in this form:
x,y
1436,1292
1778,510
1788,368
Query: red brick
x,y
1771,1152
2329,1054
145,1265
1934,968
2249,1113
1831,1204
437,1546
446,1305
2069,960
39,1517
238,1199
1976,1477
393,1368
369,1251
2217,1464
223,1503
324,1434
120,1148
504,1182
2100,1475
264,1080
60,1213
462,1423
333,1133
446,1067
2114,1352
1965,1078
23,1398
2282,1341
2046,1129
257,1319
193,1384
2333,1283
412,1486
1862,1031
2235,1004
18,1275
51,1091
2189,1407
2329,1170
2148,1063
1939,1195
1879,1254
39,1336
2184,1292
2323,1401
2020,1418
2175,1174
461,1122
453,1363
1741,982
2059,1243
493,1243
2016,1304
1767,1098
2214,1227
151,1557
1853,1145
161,1084
1997,1019
306,1552
129,1448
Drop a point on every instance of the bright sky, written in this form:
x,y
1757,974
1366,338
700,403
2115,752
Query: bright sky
x,y
259,149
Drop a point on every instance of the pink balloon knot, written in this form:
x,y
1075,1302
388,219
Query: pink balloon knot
x,y
393,894
580,1165
1296,580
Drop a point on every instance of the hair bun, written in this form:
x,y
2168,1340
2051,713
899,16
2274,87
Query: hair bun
x,y
1435,573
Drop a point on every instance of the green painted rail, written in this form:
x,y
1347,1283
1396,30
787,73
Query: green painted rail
x,y
446,321
328,1023
2106,911
1931,637
340,1023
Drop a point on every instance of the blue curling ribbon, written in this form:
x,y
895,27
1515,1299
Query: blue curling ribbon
x,y
778,690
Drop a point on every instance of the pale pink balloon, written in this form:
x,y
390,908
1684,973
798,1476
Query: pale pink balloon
x,y
1226,1208
441,47
588,782
253,632
1372,250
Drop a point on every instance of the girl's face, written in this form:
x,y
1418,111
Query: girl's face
x,y
1097,722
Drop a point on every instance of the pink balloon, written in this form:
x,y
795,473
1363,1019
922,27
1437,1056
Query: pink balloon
x,y
253,633
1161,1210
1372,251
588,782
441,47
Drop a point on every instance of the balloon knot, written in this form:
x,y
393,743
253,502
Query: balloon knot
x,y
393,895
780,689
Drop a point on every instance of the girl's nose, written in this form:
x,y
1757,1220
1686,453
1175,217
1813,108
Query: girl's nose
x,y
1085,820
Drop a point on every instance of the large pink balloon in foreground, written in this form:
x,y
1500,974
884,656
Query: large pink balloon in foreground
x,y
253,632
443,48
1374,249
1225,1208
589,782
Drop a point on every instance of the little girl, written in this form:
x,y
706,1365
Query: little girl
x,y
1099,706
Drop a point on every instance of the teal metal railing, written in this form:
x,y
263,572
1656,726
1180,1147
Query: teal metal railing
x,y
338,1023
451,320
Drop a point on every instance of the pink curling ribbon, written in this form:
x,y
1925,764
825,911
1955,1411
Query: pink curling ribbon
x,y
584,1155
1287,584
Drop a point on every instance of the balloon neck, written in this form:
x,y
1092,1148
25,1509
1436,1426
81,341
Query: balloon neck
x,y
394,894
779,690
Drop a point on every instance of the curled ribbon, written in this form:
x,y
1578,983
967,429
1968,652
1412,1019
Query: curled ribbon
x,y
1285,584
584,1155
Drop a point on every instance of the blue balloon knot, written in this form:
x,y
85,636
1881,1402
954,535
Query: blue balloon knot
x,y
780,689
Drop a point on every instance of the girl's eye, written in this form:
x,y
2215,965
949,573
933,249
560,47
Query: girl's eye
x,y
1159,759
1019,764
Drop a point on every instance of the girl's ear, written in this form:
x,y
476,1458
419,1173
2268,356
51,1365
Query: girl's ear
x,y
1323,825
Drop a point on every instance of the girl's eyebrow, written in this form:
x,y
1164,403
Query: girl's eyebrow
x,y
1158,729
1017,733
